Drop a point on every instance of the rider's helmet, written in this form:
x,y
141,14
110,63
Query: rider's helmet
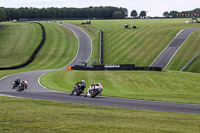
x,y
26,82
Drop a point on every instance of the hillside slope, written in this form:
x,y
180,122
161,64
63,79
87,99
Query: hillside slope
x,y
138,46
18,41
185,53
59,49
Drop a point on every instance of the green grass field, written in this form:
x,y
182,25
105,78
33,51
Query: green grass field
x,y
194,67
59,49
18,41
169,86
186,52
142,45
139,46
26,115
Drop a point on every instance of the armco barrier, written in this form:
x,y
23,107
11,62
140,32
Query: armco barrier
x,y
34,53
101,47
116,68
188,64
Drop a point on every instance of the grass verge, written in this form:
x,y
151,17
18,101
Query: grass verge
x,y
169,86
27,115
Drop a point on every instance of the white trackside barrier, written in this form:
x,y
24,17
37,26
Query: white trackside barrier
x,y
188,64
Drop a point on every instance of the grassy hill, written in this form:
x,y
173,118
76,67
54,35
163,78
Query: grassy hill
x,y
194,67
170,86
190,48
18,41
151,37
27,115
61,42
59,49
137,46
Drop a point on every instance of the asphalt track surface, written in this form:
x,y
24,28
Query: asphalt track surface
x,y
36,91
168,53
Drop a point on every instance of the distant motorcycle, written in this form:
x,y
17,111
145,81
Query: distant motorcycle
x,y
78,88
16,83
94,90
22,86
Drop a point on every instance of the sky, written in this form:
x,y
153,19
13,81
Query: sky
x,y
154,7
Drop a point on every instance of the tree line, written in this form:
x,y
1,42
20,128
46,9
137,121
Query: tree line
x,y
142,14
59,13
183,14
2,14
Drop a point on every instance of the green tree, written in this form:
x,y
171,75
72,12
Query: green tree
x,y
173,14
166,14
117,15
12,13
143,14
124,12
134,14
2,15
52,12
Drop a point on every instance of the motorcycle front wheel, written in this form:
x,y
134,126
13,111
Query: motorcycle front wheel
x,y
95,93
78,92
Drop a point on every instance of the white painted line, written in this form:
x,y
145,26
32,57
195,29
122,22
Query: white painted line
x,y
90,43
46,87
166,47
177,51
60,68
8,76
4,95
88,37
179,32
78,47
73,59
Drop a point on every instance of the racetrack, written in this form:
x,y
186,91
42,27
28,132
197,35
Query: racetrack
x,y
36,91
168,53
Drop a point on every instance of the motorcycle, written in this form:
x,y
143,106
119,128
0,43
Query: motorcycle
x,y
94,90
22,86
78,89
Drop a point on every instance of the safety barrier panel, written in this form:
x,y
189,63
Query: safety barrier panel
x,y
188,64
115,67
101,48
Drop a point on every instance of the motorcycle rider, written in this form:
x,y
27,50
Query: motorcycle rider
x,y
25,83
100,85
23,86
93,86
16,82
78,85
